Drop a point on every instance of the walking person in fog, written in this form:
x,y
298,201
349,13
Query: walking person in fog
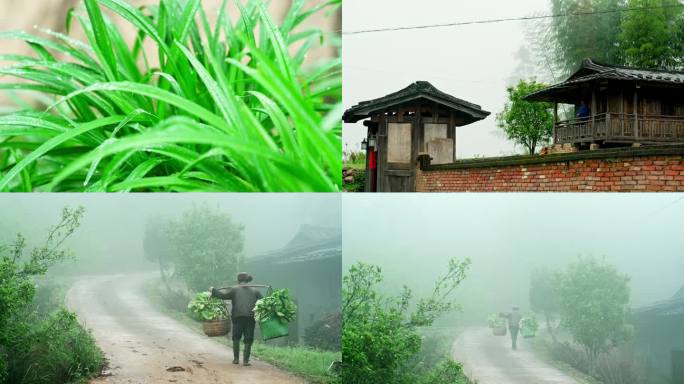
x,y
243,299
513,318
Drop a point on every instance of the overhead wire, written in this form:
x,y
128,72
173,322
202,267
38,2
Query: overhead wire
x,y
509,19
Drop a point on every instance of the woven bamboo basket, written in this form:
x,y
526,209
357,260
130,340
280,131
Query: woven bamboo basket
x,y
216,327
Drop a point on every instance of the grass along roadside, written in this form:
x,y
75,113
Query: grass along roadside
x,y
540,347
309,363
48,343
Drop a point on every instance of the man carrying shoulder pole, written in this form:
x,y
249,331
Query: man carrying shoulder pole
x,y
243,299
514,319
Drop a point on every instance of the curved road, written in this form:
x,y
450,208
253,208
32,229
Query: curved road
x,y
489,359
146,346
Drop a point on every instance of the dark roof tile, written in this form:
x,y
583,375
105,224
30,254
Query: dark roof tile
x,y
417,90
591,70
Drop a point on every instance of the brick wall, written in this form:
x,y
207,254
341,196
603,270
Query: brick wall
x,y
625,170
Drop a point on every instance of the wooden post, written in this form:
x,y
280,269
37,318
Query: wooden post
x,y
593,113
555,119
622,111
452,129
636,112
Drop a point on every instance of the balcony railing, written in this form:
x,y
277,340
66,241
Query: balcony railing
x,y
621,128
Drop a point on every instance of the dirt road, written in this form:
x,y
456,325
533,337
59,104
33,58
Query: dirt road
x,y
490,360
142,343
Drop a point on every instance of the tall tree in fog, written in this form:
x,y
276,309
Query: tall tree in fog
x,y
574,38
157,246
543,297
594,304
653,39
207,248
639,33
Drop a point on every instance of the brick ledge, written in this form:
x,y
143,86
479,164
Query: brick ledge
x,y
604,154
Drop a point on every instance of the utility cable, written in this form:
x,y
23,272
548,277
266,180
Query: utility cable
x,y
524,18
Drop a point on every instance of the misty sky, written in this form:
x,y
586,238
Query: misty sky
x,y
474,62
508,235
113,224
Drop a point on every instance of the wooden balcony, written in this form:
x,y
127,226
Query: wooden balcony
x,y
621,128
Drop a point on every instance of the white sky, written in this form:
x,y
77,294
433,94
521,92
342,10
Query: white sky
x,y
473,62
271,220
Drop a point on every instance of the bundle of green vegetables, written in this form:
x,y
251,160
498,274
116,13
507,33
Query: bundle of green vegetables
x,y
530,323
278,305
496,321
207,308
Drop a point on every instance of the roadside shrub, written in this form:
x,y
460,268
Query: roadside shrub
x,y
435,348
381,339
53,350
620,365
326,333
571,355
359,184
48,296
36,348
174,300
448,372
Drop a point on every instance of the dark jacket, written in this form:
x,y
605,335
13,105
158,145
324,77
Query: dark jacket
x,y
513,319
243,299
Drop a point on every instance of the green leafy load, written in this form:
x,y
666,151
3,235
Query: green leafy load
x,y
530,323
207,308
496,321
278,305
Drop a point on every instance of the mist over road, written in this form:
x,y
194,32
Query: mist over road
x,y
141,342
489,359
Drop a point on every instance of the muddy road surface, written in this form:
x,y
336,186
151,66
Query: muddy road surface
x,y
489,359
145,346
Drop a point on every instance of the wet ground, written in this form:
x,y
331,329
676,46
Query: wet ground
x,y
145,346
489,359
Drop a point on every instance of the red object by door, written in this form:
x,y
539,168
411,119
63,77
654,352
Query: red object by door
x,y
373,169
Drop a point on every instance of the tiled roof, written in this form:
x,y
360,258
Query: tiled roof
x,y
591,70
417,90
310,243
672,307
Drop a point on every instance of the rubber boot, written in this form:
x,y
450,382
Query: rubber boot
x,y
248,351
236,352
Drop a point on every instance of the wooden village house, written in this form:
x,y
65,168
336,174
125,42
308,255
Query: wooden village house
x,y
660,334
626,106
417,119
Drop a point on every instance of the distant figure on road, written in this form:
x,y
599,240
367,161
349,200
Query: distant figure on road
x,y
583,111
513,325
243,299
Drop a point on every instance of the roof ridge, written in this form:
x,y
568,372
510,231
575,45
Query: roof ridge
x,y
417,89
617,66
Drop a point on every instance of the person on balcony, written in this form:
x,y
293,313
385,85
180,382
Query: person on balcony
x,y
583,111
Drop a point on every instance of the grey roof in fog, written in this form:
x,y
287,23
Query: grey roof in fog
x,y
679,294
672,307
310,243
